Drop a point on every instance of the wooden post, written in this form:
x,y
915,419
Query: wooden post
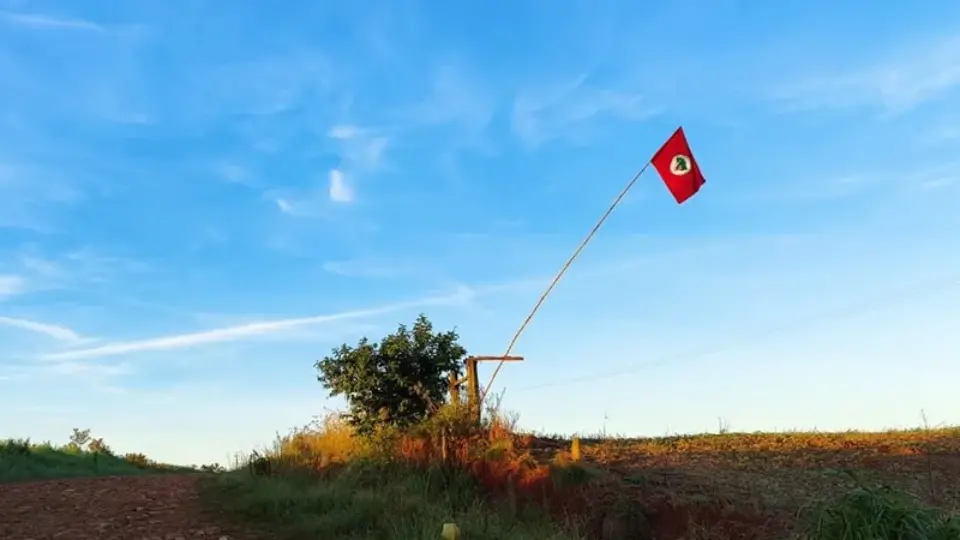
x,y
473,390
473,381
455,388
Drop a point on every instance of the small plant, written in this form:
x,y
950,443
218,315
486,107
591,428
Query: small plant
x,y
97,446
260,465
79,439
138,459
215,468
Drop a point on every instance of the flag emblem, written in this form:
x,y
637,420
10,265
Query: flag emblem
x,y
678,168
680,165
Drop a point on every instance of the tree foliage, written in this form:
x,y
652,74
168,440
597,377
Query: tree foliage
x,y
396,382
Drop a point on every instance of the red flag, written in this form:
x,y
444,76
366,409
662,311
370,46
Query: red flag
x,y
679,171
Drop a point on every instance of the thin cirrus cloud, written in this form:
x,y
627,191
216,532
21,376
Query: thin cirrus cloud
x,y
895,83
10,285
234,333
340,191
455,97
46,22
562,110
372,268
59,333
343,132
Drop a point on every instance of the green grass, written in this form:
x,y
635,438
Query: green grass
x,y
877,513
21,460
369,502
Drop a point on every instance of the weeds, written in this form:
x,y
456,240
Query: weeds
x,y
324,481
872,513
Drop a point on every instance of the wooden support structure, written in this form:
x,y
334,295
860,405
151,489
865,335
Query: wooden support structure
x,y
473,381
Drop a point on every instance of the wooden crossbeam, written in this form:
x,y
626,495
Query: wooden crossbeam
x,y
492,358
473,380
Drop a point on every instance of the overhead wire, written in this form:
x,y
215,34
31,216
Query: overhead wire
x,y
851,310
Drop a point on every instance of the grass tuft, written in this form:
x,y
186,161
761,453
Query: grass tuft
x,y
871,512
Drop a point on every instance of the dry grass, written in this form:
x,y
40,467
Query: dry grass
x,y
763,486
484,478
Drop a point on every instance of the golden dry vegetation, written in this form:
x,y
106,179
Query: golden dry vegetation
x,y
762,486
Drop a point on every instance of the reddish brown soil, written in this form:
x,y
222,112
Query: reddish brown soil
x,y
156,507
751,486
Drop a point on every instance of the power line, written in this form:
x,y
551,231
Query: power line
x,y
827,316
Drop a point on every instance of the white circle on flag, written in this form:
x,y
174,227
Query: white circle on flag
x,y
681,165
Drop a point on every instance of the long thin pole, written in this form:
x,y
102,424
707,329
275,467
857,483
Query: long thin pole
x,y
563,270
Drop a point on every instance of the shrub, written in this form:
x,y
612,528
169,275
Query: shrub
x,y
97,446
15,447
138,460
397,382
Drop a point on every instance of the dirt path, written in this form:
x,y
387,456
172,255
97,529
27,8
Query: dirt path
x,y
156,507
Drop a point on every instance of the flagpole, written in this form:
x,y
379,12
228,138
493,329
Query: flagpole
x,y
563,270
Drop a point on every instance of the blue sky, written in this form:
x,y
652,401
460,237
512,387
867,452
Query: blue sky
x,y
198,201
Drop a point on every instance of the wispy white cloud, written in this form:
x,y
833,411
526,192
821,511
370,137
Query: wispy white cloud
x,y
11,285
455,98
938,182
284,206
564,110
47,22
31,197
41,267
233,333
899,82
260,86
344,132
233,173
75,268
810,187
372,268
59,333
360,149
340,192
308,203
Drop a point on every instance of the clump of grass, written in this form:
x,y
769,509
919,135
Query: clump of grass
x,y
331,440
22,460
873,513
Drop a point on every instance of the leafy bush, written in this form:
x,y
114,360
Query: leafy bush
x,y
397,382
213,468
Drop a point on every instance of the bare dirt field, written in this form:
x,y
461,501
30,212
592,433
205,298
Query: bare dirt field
x,y
151,507
753,486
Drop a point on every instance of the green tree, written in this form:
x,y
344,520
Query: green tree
x,y
396,382
78,440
